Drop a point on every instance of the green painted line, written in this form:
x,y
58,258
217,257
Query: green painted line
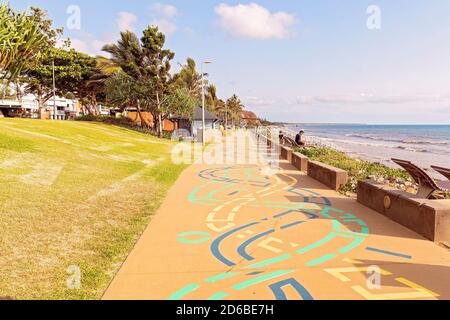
x,y
193,233
182,237
358,221
261,279
320,260
326,210
349,216
352,245
283,207
269,262
226,174
192,241
337,226
248,173
318,244
186,290
218,296
221,277
213,193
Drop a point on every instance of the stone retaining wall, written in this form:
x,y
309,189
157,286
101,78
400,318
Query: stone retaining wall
x,y
332,177
429,218
300,161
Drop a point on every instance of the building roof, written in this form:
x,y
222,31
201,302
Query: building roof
x,y
248,115
198,115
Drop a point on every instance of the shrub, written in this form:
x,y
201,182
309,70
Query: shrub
x,y
121,122
357,169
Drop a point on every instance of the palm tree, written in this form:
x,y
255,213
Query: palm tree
x,y
128,55
96,85
211,99
234,107
147,63
189,78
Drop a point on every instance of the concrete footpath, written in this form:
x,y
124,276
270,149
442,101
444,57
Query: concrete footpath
x,y
238,232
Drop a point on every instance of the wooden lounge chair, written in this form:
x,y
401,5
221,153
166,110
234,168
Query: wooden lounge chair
x,y
444,171
291,142
427,186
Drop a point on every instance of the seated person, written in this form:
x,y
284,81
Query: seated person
x,y
299,138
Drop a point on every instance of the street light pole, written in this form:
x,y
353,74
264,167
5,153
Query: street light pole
x,y
203,103
54,90
226,118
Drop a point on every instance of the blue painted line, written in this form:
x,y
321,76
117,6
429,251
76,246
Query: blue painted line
x,y
277,289
291,225
215,246
307,199
308,214
390,253
243,247
283,214
255,273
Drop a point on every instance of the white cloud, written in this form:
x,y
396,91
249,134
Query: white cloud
x,y
254,21
164,17
126,21
165,10
88,43
165,26
257,101
364,98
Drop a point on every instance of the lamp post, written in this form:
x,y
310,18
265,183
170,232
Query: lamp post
x,y
54,90
203,102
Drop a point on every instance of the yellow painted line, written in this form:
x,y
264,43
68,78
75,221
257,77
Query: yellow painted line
x,y
338,272
417,287
352,261
265,244
213,227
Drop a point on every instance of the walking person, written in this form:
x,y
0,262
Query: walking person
x,y
281,137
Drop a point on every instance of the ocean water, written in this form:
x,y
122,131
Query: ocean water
x,y
425,145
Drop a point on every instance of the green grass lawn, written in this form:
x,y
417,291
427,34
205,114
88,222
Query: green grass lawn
x,y
74,194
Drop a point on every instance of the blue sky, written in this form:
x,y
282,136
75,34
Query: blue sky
x,y
297,61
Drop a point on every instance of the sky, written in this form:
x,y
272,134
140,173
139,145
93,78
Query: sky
x,y
305,61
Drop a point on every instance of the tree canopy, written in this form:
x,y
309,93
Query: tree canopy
x,y
136,73
72,70
21,42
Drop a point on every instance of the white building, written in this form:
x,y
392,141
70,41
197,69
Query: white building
x,y
57,109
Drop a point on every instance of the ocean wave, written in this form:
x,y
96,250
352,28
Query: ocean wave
x,y
418,142
377,145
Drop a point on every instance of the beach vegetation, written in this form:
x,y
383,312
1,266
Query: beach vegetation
x,y
358,169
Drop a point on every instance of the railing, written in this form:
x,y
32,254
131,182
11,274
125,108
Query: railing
x,y
310,140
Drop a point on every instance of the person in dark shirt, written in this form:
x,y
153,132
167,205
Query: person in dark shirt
x,y
281,137
299,138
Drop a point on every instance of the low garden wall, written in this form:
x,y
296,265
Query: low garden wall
x,y
286,153
429,218
300,161
332,177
